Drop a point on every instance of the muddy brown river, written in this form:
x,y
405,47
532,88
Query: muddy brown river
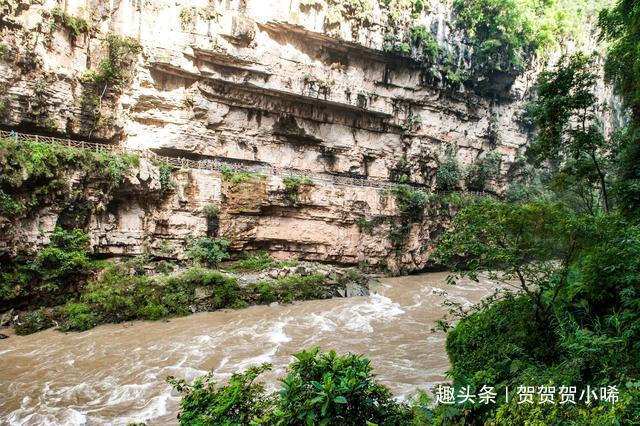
x,y
115,374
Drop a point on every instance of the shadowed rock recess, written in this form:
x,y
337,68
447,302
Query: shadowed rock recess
x,y
255,83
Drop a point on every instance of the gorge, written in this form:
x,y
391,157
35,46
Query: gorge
x,y
216,186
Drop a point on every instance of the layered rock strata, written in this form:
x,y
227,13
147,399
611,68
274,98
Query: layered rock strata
x,y
275,84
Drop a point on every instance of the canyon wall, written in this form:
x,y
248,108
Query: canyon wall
x,y
297,85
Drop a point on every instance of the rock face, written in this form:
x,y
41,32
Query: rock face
x,y
298,85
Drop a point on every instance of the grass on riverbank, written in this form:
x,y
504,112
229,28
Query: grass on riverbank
x,y
121,295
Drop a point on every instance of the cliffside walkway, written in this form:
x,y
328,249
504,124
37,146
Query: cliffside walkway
x,y
220,164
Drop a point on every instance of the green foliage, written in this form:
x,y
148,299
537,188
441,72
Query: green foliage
x,y
506,34
4,103
566,117
4,49
502,34
496,342
34,175
241,401
78,317
426,43
292,185
75,25
208,251
621,29
369,226
626,160
359,12
186,18
124,292
484,170
514,243
574,318
290,288
166,185
411,202
65,258
620,26
111,72
298,287
121,296
327,389
55,273
449,172
211,211
236,178
324,389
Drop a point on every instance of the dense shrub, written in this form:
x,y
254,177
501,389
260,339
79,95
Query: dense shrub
x,y
496,342
111,71
482,172
574,321
411,202
449,173
208,251
78,317
321,388
55,274
240,402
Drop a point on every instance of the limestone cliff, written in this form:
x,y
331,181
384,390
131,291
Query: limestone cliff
x,y
271,85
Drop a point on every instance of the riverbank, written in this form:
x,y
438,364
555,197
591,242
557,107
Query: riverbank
x,y
138,289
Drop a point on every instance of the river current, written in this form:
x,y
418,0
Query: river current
x,y
115,374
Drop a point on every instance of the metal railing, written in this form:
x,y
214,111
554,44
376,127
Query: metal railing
x,y
219,164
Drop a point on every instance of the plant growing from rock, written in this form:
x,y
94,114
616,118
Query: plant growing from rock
x,y
73,24
260,261
186,18
34,174
211,211
483,171
292,185
166,184
411,202
449,172
56,272
111,74
208,251
4,108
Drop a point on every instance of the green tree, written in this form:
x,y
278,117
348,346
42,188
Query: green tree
x,y
528,247
568,136
620,27
501,32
